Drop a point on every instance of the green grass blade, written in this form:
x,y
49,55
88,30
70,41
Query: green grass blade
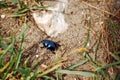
x,y
47,78
38,7
87,74
3,4
117,77
24,28
78,64
5,46
97,47
10,47
21,48
116,57
57,76
17,15
108,65
118,52
87,39
35,73
112,29
13,1
24,72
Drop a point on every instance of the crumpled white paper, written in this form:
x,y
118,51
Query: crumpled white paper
x,y
52,22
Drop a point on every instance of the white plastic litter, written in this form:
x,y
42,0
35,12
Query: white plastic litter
x,y
52,22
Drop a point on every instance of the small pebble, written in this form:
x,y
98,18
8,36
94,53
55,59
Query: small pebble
x,y
36,56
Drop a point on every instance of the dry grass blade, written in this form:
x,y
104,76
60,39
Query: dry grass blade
x,y
2,51
100,9
5,67
35,63
50,70
80,50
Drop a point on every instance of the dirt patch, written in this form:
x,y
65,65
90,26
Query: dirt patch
x,y
86,19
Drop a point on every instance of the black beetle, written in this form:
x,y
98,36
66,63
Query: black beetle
x,y
50,45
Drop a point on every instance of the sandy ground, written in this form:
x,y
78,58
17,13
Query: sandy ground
x,y
81,17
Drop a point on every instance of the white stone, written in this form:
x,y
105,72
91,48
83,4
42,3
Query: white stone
x,y
2,16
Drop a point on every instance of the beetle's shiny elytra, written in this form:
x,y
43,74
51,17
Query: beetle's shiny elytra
x,y
49,45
